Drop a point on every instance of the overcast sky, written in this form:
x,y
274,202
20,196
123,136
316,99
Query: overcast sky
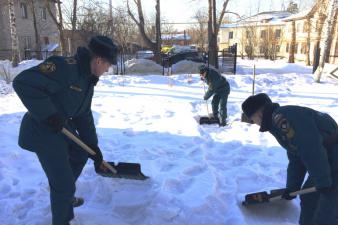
x,y
183,10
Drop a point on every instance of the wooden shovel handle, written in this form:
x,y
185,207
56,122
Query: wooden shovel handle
x,y
300,192
86,148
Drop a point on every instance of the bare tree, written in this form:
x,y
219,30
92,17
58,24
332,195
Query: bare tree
x,y
327,30
14,36
293,42
201,29
140,22
213,28
36,32
59,23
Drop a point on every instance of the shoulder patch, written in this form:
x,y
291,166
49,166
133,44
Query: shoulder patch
x,y
70,60
47,67
284,125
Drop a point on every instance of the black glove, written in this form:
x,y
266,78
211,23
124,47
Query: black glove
x,y
97,158
55,122
326,190
286,195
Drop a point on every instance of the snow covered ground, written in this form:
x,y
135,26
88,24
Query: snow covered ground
x,y
198,174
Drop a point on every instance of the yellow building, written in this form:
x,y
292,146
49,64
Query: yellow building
x,y
260,35
269,35
308,27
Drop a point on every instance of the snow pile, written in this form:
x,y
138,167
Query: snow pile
x,y
198,174
185,66
5,88
142,66
7,72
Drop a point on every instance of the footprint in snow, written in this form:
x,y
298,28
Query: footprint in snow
x,y
194,170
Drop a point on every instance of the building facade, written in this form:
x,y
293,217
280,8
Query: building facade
x,y
269,35
47,30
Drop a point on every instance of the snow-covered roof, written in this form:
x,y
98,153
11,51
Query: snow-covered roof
x,y
175,37
263,18
298,16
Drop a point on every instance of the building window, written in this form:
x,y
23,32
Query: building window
x,y
299,27
231,35
277,33
23,8
43,13
46,40
263,33
277,48
287,47
26,42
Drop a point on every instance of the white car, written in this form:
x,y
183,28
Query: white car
x,y
144,54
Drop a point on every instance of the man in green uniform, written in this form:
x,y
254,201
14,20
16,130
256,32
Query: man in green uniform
x,y
219,87
58,93
311,141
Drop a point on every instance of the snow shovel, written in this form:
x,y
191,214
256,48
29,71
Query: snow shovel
x,y
207,119
263,197
121,170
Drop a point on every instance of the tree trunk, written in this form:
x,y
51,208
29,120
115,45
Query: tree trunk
x,y
36,32
327,30
333,30
58,24
308,41
293,43
140,24
74,21
158,32
211,34
14,36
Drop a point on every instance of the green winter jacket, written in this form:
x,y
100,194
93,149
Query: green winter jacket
x,y
61,85
302,131
217,84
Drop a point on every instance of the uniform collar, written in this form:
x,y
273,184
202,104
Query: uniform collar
x,y
267,117
83,57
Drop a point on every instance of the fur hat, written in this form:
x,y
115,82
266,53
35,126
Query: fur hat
x,y
254,103
104,47
203,68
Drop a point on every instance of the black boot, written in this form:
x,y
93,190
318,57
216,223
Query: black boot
x,y
77,201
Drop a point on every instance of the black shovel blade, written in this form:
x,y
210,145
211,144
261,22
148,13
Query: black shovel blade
x,y
208,120
262,197
124,170
255,198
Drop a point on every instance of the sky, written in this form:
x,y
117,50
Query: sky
x,y
179,11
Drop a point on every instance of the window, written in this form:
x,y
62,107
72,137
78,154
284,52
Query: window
x,y
287,47
26,42
263,33
43,13
23,8
296,48
299,27
277,48
46,40
231,35
277,33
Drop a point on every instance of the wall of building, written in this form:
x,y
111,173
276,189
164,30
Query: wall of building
x,y
47,29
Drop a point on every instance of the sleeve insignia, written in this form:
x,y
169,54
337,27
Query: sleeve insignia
x,y
47,67
286,128
70,60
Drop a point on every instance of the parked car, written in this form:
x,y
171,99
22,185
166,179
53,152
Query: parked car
x,y
145,54
191,55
